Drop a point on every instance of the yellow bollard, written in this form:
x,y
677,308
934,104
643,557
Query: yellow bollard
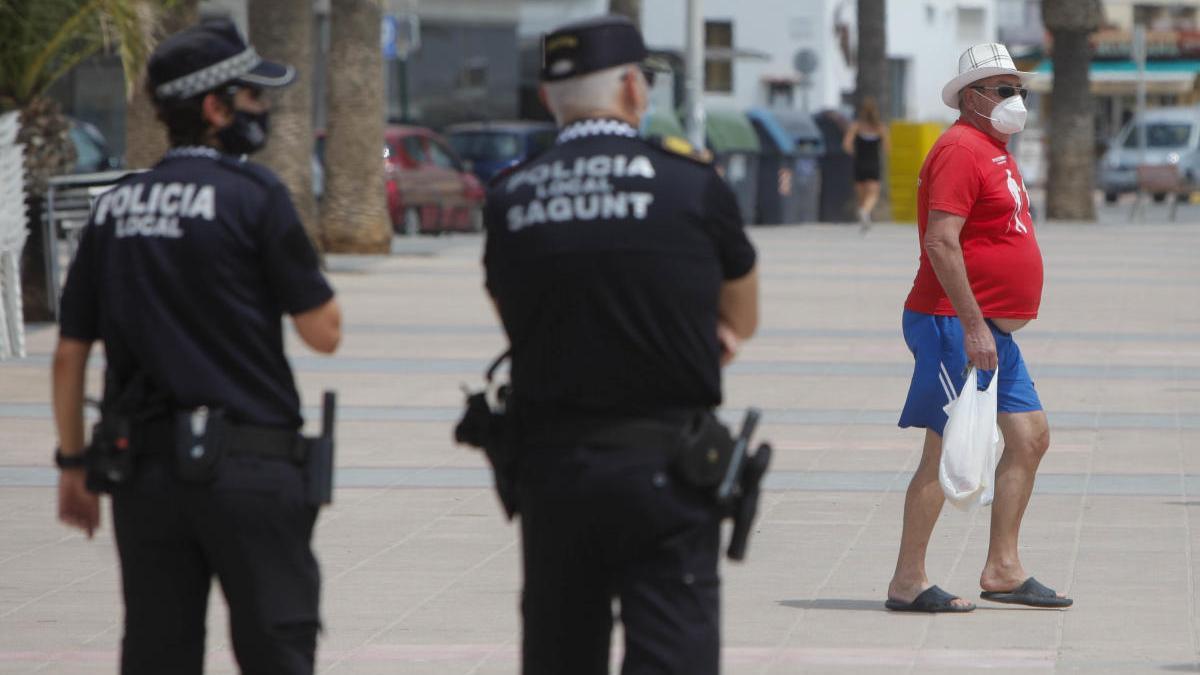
x,y
911,141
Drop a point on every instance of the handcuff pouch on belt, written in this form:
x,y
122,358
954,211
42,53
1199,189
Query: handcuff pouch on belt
x,y
202,437
486,425
704,451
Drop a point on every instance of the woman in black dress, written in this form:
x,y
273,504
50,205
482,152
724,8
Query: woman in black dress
x,y
867,139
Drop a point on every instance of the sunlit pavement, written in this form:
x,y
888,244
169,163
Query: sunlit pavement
x,y
421,570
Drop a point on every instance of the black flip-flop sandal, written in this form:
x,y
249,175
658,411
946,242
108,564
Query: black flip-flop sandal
x,y
1031,594
932,600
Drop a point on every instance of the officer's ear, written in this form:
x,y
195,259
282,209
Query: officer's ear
x,y
217,113
544,99
634,95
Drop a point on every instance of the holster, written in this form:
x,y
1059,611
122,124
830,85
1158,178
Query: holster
x,y
490,430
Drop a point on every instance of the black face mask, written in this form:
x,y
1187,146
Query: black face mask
x,y
247,134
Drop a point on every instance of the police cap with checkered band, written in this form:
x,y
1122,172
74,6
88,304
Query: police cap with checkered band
x,y
595,44
208,55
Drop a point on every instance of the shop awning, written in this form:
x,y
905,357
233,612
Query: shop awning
x,y
1114,78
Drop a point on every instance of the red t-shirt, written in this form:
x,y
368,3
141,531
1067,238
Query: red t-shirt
x,y
971,174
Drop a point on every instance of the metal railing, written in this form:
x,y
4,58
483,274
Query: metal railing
x,y
69,201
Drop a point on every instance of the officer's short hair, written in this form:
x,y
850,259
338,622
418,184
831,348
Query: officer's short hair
x,y
586,93
184,117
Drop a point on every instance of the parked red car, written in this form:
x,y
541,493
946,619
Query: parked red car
x,y
428,187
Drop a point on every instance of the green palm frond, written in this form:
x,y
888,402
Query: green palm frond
x,y
41,40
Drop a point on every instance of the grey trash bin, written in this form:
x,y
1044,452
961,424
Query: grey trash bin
x,y
789,185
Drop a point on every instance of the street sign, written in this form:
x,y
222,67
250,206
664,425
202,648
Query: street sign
x,y
400,35
805,61
408,34
387,37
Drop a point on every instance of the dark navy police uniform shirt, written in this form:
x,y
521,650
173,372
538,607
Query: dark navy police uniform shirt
x,y
606,256
185,271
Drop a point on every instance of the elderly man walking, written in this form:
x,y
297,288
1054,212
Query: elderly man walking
x,y
979,281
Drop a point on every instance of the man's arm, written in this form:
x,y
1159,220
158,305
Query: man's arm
x,y
945,254
76,506
70,367
737,313
737,306
321,327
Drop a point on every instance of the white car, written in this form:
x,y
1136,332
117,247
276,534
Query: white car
x,y
1172,138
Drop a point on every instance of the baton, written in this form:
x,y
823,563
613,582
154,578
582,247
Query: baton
x,y
730,484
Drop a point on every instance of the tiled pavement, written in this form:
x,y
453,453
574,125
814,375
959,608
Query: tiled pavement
x,y
421,571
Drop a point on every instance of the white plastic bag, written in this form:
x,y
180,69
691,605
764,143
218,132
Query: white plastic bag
x,y
970,445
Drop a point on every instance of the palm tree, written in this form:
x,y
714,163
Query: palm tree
x,y
40,42
1070,178
628,8
871,78
145,137
284,32
354,215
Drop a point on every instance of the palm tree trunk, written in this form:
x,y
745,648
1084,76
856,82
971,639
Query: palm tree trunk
x,y
354,215
632,9
48,152
145,136
871,78
1071,153
284,32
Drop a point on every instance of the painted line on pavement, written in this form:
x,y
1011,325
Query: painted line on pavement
x,y
438,478
507,653
780,416
473,368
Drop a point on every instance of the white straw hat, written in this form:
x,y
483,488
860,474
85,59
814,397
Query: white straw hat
x,y
977,63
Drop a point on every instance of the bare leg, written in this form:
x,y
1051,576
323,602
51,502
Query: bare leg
x,y
860,195
922,505
1026,439
870,196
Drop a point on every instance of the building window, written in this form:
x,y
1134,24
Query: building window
x,y
971,22
472,74
718,56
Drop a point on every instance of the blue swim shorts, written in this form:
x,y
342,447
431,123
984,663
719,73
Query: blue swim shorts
x,y
940,370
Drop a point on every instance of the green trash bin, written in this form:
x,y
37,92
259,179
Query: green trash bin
x,y
736,150
662,123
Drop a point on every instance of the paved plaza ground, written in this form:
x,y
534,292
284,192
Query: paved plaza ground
x,y
421,571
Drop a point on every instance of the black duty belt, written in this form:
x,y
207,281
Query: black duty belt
x,y
158,436
663,429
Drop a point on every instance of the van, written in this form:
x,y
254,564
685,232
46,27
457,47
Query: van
x,y
1172,138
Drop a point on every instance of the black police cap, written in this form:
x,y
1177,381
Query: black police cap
x,y
208,55
595,44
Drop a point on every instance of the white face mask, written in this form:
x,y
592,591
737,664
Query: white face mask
x,y
1008,117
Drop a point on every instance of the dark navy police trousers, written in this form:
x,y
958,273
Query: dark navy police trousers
x,y
605,524
251,528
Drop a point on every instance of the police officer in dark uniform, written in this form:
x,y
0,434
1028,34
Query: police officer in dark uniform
x,y
624,279
184,273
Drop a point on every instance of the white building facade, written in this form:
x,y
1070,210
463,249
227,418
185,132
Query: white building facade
x,y
925,38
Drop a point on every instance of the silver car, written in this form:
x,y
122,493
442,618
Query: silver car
x,y
1172,137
